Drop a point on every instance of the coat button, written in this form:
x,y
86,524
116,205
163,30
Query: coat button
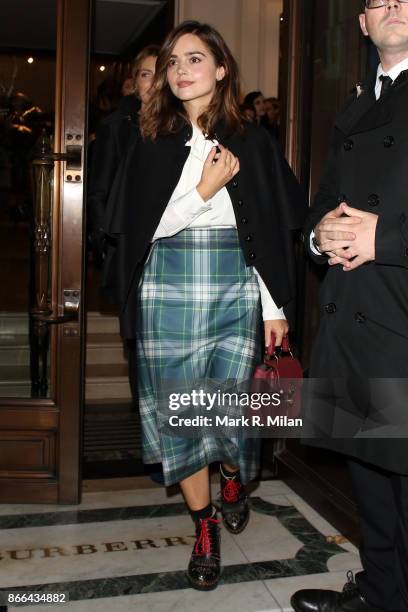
x,y
244,220
330,308
240,203
359,317
348,144
252,256
341,198
235,183
248,238
373,200
389,141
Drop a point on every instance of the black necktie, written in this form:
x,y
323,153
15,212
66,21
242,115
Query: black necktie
x,y
386,83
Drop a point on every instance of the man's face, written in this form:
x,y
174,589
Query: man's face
x,y
387,26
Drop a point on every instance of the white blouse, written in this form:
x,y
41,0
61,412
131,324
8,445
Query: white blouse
x,y
186,208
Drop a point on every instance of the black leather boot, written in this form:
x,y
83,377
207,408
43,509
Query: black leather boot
x,y
320,600
204,568
234,505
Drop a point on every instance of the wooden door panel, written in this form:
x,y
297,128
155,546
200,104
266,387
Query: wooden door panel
x,y
28,454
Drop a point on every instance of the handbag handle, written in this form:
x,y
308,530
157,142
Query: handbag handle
x,y
285,347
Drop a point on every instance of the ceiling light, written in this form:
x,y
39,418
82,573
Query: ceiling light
x,y
102,68
30,60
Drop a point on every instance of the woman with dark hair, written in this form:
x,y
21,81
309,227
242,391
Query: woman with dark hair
x,y
257,101
202,212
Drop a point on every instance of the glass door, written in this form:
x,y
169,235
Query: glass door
x,y
43,91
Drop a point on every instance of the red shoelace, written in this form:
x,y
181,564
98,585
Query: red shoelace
x,y
231,491
203,544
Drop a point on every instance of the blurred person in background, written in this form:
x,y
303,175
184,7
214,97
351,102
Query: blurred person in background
x,y
248,111
257,101
272,110
112,138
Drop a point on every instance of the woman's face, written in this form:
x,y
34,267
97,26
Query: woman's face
x,y
144,78
192,73
128,87
259,106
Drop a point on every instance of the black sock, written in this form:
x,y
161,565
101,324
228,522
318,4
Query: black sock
x,y
226,474
207,512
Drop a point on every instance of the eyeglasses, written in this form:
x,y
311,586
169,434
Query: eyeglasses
x,y
373,4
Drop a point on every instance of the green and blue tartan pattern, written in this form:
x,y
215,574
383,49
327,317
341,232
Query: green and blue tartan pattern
x,y
198,319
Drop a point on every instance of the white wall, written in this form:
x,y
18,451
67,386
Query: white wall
x,y
251,29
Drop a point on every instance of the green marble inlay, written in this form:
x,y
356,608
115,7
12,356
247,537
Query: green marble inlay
x,y
310,559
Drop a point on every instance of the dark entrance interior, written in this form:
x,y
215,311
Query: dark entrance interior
x,y
112,444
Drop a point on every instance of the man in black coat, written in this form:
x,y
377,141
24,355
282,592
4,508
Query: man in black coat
x,y
358,397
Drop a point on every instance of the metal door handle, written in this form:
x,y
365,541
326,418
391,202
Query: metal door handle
x,y
72,299
52,320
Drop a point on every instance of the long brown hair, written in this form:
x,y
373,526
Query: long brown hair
x,y
162,114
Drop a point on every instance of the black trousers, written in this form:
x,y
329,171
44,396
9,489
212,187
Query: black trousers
x,y
382,500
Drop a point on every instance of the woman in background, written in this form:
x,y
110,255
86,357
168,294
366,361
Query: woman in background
x,y
111,141
257,101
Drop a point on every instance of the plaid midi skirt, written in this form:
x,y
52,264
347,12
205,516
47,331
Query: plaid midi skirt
x,y
198,319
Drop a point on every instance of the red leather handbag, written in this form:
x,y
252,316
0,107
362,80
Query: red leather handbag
x,y
280,373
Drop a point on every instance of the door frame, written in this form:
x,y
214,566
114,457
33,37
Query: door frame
x,y
43,436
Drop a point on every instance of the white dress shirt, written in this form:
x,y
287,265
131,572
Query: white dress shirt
x,y
186,208
393,73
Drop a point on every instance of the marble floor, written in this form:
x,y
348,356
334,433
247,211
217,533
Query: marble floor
x,y
128,550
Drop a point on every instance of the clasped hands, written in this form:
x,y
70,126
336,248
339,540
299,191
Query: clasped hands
x,y
347,240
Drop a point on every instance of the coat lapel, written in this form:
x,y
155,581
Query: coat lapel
x,y
366,113
378,114
359,106
351,116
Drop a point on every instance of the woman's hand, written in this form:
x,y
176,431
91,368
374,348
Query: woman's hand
x,y
219,169
279,327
